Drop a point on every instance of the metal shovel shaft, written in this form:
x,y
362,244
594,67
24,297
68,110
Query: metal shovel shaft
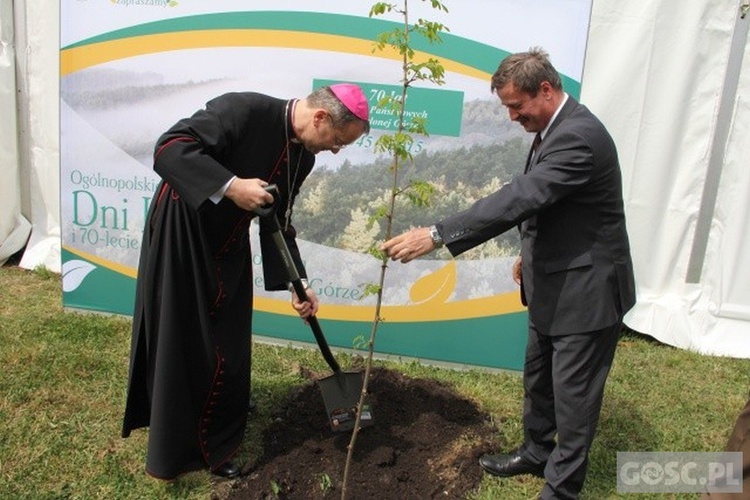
x,y
299,289
342,398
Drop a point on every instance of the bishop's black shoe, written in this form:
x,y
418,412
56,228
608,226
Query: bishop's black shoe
x,y
508,465
229,470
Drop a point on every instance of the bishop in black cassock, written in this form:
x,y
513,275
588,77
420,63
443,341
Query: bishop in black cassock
x,y
190,352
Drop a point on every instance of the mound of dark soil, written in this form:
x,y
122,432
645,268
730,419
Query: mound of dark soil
x,y
425,443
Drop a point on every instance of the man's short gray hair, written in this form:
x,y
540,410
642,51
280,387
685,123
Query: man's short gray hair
x,y
527,71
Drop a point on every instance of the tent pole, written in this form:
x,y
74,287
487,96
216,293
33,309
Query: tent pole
x,y
718,147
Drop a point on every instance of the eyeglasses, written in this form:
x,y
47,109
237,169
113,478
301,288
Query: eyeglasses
x,y
338,143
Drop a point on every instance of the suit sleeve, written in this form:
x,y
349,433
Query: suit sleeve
x,y
565,164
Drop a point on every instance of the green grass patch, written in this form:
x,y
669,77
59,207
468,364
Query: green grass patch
x,y
62,391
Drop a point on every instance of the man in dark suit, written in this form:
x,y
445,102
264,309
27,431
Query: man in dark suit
x,y
575,270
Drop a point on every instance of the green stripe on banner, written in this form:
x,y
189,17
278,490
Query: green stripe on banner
x,y
469,52
492,342
102,289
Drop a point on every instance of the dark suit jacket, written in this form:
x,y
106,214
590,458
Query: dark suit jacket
x,y
577,271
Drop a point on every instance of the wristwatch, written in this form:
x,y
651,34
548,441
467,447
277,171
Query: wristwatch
x,y
437,240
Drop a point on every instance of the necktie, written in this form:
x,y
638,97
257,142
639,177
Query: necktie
x,y
532,151
537,141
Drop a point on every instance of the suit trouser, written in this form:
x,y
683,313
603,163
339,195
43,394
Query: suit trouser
x,y
564,380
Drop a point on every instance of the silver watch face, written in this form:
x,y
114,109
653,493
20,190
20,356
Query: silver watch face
x,y
435,235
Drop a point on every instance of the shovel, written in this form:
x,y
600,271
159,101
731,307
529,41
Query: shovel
x,y
341,391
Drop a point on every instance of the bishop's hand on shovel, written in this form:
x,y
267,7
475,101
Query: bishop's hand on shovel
x,y
342,390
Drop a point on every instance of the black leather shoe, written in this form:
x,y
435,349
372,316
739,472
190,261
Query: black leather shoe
x,y
508,465
228,470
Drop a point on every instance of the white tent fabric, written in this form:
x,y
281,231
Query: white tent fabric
x,y
14,227
31,95
655,73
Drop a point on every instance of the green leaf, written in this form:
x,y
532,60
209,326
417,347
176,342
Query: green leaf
x,y
420,193
380,8
438,5
371,289
380,213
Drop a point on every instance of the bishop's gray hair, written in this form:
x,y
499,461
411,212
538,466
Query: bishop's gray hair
x,y
324,97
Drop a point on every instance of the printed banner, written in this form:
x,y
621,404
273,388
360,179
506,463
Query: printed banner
x,y
132,68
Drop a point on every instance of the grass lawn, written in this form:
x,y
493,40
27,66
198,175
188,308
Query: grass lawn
x,y
62,393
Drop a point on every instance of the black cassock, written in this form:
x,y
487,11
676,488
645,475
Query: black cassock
x,y
190,353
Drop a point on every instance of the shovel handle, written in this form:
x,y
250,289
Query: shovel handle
x,y
269,214
320,338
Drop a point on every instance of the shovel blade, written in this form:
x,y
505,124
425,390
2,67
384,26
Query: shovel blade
x,y
341,392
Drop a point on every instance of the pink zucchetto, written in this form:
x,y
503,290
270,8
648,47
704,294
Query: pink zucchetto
x,y
353,98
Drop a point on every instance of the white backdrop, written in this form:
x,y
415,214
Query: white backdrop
x,y
29,91
14,227
654,73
